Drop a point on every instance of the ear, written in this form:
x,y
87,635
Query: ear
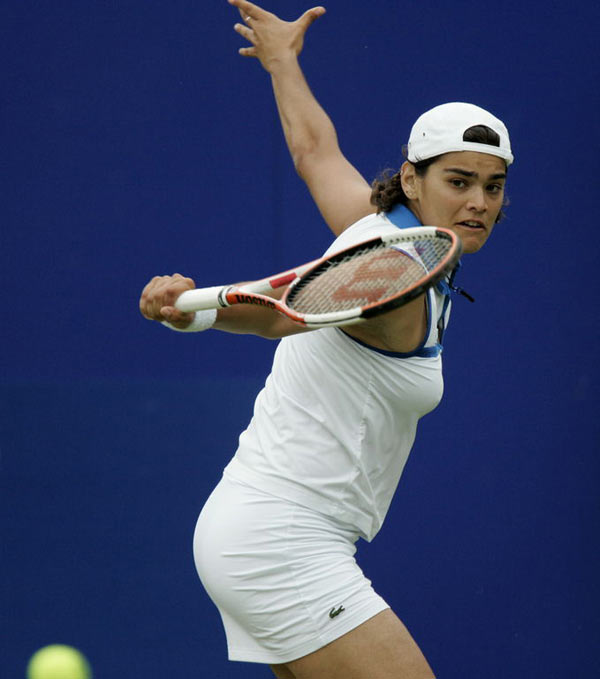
x,y
409,180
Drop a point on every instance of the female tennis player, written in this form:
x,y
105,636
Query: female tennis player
x,y
321,458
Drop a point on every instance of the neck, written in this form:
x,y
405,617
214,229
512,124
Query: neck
x,y
413,206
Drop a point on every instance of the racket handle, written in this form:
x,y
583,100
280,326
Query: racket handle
x,y
201,299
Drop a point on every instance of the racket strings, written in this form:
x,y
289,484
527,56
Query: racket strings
x,y
367,276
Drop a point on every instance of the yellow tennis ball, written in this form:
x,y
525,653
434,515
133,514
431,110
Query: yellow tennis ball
x,y
58,662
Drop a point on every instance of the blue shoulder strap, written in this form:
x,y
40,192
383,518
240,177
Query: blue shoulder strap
x,y
402,217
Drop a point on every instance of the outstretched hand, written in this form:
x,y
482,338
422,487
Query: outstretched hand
x,y
272,38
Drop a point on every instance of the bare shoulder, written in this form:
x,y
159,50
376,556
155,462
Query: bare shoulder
x,y
401,330
341,193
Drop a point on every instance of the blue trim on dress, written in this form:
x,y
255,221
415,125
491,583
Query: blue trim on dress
x,y
424,352
402,217
421,351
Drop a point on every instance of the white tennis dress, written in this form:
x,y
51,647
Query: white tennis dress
x,y
316,468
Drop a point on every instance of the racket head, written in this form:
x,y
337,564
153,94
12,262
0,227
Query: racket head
x,y
373,277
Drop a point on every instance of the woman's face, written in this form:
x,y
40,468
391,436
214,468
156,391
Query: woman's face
x,y
461,191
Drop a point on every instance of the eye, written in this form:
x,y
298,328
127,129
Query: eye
x,y
458,183
495,188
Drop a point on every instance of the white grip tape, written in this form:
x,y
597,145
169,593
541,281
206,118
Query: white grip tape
x,y
203,320
200,299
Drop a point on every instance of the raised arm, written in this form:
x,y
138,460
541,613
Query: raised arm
x,y
338,189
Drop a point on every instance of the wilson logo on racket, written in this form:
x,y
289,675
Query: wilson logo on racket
x,y
376,278
248,299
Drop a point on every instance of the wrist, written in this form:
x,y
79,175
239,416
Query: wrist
x,y
281,63
203,320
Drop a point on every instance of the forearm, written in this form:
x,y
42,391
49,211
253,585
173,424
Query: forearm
x,y
306,126
248,319
337,187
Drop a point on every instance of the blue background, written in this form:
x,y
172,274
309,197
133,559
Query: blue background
x,y
137,142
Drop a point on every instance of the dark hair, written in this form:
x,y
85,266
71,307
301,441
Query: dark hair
x,y
387,186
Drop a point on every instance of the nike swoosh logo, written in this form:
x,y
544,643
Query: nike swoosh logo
x,y
333,612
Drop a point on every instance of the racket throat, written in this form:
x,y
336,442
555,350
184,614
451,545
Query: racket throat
x,y
222,296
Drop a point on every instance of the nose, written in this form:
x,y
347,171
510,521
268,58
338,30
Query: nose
x,y
477,200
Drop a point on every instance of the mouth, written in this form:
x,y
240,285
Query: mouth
x,y
472,225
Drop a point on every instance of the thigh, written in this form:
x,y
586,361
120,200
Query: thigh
x,y
380,648
283,577
282,672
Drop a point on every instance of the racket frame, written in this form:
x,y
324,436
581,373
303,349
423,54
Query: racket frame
x,y
255,292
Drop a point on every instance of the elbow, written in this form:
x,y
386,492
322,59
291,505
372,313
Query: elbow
x,y
270,334
306,160
301,159
279,328
312,153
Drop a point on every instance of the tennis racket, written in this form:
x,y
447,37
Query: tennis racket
x,y
360,282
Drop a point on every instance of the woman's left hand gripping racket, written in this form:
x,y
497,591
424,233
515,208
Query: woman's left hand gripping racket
x,y
362,281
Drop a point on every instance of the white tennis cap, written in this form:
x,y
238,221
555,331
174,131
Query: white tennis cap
x,y
441,129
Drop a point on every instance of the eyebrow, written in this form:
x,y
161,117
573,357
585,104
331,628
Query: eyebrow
x,y
468,173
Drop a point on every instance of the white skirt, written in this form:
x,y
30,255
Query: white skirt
x,y
283,577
